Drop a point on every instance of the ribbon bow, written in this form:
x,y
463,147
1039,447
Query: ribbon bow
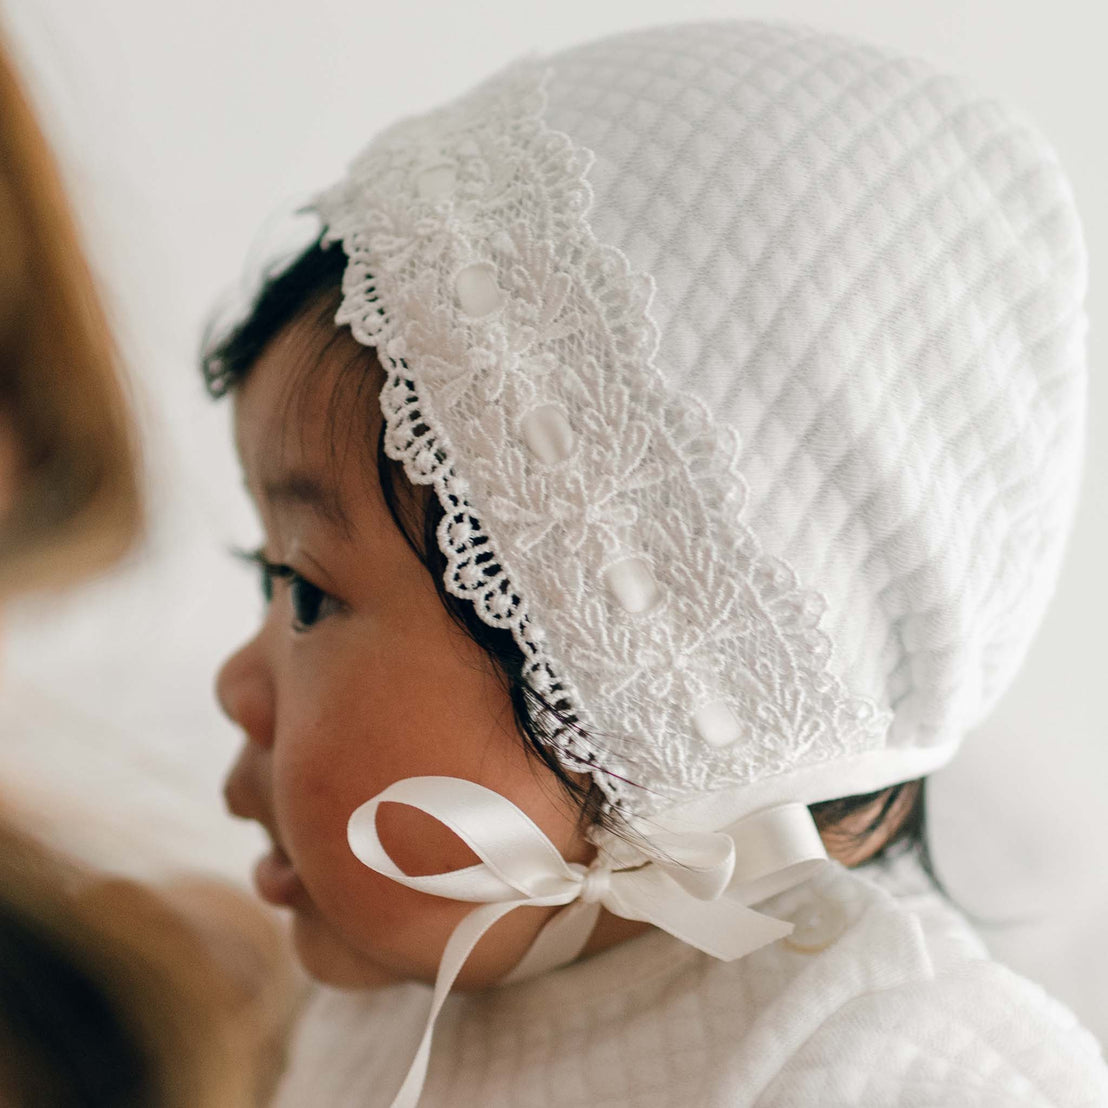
x,y
694,884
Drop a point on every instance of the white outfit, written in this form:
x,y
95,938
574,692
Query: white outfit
x,y
882,997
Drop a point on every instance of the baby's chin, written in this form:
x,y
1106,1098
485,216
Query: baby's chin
x,y
329,959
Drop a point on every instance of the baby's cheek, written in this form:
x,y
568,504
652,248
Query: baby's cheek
x,y
418,843
383,923
369,911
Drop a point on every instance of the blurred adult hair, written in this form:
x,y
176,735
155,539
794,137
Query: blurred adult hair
x,y
70,495
110,996
113,994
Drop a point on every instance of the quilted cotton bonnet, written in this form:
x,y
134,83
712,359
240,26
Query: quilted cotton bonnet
x,y
747,362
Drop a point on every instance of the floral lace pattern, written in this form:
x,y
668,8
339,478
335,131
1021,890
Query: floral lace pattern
x,y
590,508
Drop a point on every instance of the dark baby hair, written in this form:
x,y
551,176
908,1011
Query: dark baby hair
x,y
311,285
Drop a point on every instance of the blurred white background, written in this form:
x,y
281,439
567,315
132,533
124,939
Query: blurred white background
x,y
187,133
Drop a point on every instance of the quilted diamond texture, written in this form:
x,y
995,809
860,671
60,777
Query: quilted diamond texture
x,y
980,1039
902,1010
875,274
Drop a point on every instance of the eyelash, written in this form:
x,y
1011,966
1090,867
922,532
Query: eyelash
x,y
310,603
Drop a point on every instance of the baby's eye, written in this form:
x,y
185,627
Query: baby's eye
x,y
309,602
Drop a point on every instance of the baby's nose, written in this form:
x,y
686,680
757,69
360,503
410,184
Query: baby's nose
x,y
244,690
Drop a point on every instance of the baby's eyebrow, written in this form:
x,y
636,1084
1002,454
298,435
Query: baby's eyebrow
x,y
301,489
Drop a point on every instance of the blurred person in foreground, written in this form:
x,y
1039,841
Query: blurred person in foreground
x,y
112,994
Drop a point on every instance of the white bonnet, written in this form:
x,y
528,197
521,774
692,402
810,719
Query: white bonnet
x,y
747,361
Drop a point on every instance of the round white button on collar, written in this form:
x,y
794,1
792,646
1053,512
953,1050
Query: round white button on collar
x,y
817,925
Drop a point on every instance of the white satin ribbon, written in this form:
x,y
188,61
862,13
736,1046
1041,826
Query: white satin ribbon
x,y
694,884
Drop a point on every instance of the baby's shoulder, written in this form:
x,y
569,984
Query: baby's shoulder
x,y
909,1009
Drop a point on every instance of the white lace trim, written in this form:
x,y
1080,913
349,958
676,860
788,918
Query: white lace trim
x,y
474,273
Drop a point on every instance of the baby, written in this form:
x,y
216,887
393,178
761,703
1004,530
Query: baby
x,y
664,457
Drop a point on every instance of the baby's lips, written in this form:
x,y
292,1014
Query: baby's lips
x,y
276,879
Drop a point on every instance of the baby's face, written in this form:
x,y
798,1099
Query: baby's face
x,y
356,678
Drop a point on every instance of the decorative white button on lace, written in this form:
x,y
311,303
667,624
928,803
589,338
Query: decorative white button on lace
x,y
632,584
436,183
478,292
716,724
547,432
